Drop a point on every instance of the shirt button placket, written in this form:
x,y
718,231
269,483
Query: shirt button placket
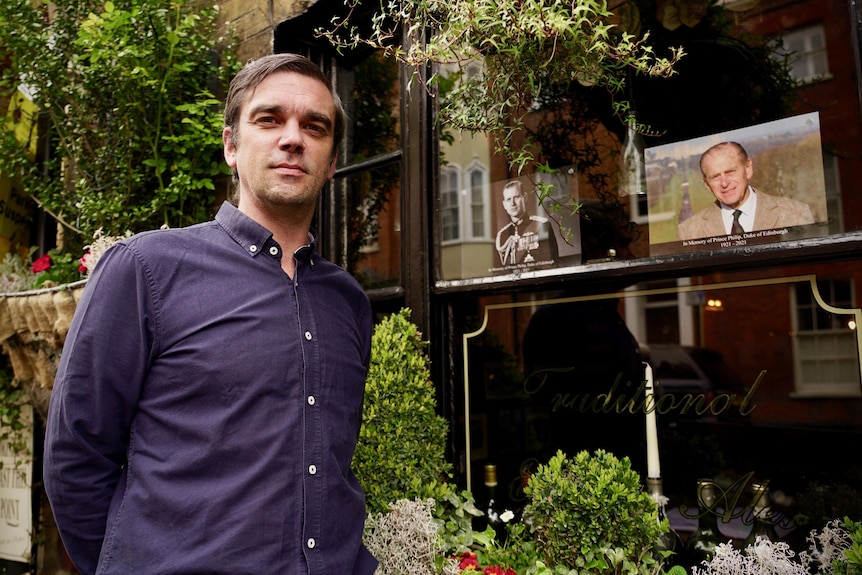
x,y
310,543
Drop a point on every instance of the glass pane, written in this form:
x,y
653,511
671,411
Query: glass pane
x,y
575,126
747,398
374,225
369,200
370,94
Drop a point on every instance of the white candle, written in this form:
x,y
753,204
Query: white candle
x,y
653,465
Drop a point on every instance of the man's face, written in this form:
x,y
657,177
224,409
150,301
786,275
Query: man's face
x,y
514,203
283,148
726,174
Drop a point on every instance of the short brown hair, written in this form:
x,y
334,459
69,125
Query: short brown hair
x,y
256,71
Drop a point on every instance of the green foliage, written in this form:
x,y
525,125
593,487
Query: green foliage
x,y
454,514
12,397
525,46
401,452
15,274
591,514
851,564
126,91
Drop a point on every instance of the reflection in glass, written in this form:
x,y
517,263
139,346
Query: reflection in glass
x,y
374,241
369,194
753,398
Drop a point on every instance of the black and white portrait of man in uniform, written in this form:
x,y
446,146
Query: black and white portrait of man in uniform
x,y
526,239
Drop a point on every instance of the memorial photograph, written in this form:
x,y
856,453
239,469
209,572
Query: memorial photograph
x,y
756,185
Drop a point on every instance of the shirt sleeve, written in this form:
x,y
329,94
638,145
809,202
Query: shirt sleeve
x,y
103,365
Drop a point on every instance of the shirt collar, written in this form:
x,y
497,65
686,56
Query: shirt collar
x,y
253,237
747,208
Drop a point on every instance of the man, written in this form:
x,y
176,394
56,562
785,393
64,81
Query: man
x,y
738,208
209,395
525,239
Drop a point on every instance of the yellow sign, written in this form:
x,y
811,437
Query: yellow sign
x,y
15,205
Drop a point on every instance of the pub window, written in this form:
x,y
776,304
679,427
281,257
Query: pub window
x,y
807,50
824,346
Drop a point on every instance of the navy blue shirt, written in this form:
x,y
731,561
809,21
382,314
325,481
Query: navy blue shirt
x,y
206,409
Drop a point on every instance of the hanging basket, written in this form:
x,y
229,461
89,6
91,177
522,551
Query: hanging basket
x,y
33,327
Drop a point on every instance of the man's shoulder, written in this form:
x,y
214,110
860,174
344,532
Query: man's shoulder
x,y
167,236
777,211
693,226
773,201
506,229
698,218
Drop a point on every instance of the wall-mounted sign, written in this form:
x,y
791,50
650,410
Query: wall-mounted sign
x,y
16,480
15,205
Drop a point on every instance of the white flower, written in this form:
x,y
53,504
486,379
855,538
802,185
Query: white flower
x,y
507,516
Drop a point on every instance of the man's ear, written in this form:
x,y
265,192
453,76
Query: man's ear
x,y
229,144
332,165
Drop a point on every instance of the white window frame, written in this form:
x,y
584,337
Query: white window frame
x,y
468,205
807,348
810,56
447,172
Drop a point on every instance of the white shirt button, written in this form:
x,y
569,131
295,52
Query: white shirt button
x,y
312,469
308,335
252,248
310,400
311,543
273,251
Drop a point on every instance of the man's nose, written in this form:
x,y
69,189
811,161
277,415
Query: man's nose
x,y
290,137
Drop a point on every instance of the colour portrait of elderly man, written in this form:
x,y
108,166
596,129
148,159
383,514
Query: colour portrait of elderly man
x,y
738,208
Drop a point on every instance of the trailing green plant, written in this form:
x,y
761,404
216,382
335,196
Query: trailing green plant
x,y
127,98
524,47
401,452
590,514
12,421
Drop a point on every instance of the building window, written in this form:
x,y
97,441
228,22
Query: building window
x,y
464,202
450,204
807,50
477,178
825,349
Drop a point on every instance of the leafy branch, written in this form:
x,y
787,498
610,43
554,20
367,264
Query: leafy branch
x,y
524,46
125,94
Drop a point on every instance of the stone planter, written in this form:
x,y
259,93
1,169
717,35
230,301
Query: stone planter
x,y
33,327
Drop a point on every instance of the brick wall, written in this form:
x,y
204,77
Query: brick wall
x,y
254,21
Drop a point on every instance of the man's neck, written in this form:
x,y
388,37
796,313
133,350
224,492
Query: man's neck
x,y
290,231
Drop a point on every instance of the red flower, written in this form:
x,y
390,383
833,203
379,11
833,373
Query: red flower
x,y
469,562
82,263
496,570
41,264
